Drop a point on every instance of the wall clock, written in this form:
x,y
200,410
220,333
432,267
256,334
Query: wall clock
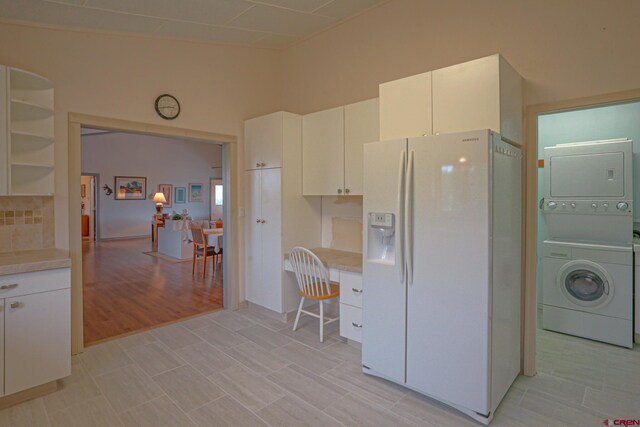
x,y
167,106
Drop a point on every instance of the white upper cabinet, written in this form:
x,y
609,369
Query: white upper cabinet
x,y
405,107
332,148
361,125
263,141
323,153
26,133
480,94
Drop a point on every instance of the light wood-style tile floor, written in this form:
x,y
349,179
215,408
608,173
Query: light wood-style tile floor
x,y
244,369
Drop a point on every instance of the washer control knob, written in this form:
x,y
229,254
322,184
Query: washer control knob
x,y
552,205
573,205
605,206
594,205
564,206
622,206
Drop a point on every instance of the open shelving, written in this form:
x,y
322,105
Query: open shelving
x,y
29,119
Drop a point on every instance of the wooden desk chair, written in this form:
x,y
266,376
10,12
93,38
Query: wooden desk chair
x,y
200,249
313,281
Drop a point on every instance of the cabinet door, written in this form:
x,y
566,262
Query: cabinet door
x,y
263,142
253,236
361,125
37,346
405,107
323,153
4,131
272,256
467,96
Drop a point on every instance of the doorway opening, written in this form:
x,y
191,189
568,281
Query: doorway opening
x,y
565,356
138,261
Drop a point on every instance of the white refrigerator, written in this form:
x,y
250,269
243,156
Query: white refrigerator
x,y
442,267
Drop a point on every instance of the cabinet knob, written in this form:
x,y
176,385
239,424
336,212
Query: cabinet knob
x,y
356,325
257,165
263,165
16,304
262,221
347,191
339,190
257,221
7,287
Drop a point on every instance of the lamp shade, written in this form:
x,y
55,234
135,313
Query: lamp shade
x,y
159,198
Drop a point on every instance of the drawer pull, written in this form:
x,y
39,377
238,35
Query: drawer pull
x,y
7,287
356,325
16,304
356,290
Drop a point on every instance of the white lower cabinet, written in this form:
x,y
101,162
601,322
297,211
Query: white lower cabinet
x,y
37,328
351,305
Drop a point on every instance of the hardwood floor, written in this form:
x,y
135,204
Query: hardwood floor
x,y
126,290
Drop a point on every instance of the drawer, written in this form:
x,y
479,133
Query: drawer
x,y
351,322
351,288
14,285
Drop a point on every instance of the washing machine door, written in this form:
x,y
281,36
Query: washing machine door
x,y
585,283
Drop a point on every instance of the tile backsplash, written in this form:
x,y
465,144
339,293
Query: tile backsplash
x,y
26,222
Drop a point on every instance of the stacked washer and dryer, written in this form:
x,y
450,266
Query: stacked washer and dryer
x,y
588,260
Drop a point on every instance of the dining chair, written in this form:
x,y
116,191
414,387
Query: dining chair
x,y
313,281
200,249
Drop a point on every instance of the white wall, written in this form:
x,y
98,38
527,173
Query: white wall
x,y
161,161
347,211
564,49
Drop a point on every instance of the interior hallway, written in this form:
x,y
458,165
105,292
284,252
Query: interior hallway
x,y
126,290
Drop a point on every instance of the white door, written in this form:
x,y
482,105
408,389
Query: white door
x,y
37,339
448,259
253,236
263,142
1,346
384,290
271,228
323,153
405,107
361,124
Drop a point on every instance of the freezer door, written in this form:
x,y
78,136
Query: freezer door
x,y
384,291
448,289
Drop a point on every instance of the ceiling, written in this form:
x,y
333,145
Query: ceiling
x,y
266,23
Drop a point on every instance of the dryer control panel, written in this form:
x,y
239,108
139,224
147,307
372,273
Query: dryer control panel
x,y
597,207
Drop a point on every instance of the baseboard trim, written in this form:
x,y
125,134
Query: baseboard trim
x,y
144,236
24,395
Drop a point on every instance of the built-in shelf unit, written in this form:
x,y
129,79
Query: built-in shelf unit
x,y
26,133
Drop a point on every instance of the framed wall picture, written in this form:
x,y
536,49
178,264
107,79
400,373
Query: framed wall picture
x,y
195,193
167,190
130,188
181,195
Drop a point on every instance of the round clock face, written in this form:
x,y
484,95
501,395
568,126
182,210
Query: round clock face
x,y
167,107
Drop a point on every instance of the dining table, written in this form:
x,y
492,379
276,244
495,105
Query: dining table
x,y
214,237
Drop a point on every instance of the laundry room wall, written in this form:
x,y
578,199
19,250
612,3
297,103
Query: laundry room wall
x,y
597,123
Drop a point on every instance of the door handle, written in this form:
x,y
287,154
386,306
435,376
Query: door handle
x,y
400,218
408,219
356,325
7,287
16,304
356,290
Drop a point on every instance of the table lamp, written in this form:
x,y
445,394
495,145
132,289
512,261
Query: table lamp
x,y
159,199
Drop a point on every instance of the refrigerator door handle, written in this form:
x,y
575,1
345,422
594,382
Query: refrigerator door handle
x,y
400,223
408,219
